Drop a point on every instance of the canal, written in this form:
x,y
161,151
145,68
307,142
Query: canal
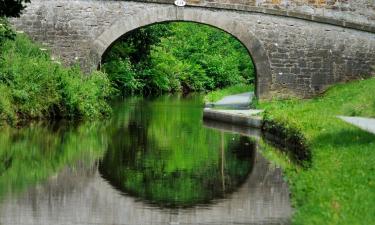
x,y
153,162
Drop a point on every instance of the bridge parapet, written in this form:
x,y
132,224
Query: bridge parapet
x,y
355,14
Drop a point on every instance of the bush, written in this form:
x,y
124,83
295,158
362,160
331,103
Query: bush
x,y
33,86
123,76
6,33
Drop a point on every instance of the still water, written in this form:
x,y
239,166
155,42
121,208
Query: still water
x,y
153,162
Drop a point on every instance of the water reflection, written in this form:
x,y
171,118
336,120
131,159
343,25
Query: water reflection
x,y
152,163
33,153
153,175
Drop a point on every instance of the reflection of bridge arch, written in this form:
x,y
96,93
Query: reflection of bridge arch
x,y
84,197
233,27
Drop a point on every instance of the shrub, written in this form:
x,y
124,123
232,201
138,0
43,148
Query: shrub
x,y
123,76
6,33
35,86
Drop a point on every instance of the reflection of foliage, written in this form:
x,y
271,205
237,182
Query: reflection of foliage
x,y
31,154
158,153
166,157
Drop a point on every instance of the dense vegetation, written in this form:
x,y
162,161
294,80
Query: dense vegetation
x,y
177,57
338,187
34,86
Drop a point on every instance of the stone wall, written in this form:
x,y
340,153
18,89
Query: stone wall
x,y
358,14
293,57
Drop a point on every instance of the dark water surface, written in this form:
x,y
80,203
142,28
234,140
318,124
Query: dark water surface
x,y
153,162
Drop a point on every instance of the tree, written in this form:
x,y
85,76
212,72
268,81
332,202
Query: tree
x,y
12,8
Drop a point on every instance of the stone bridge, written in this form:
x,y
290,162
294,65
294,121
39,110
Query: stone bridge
x,y
299,47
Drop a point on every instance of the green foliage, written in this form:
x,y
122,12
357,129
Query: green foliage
x,y
137,44
35,86
177,57
6,32
216,95
338,187
123,76
12,8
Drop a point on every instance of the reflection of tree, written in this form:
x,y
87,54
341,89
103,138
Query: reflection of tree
x,y
222,161
33,153
165,156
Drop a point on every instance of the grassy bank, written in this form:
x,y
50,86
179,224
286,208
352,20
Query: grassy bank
x,y
215,96
34,86
339,185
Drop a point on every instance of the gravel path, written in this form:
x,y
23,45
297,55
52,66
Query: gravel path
x,y
367,124
239,101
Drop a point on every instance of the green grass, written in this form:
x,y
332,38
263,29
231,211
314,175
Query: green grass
x,y
339,186
215,96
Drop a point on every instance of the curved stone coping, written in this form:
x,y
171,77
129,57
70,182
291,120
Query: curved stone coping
x,y
275,12
247,118
232,128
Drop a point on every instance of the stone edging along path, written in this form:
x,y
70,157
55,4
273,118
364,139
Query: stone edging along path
x,y
290,140
251,118
238,114
247,118
367,124
237,111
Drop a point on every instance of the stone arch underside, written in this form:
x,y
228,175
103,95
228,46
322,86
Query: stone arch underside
x,y
168,14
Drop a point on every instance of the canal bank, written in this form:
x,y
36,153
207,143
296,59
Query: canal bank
x,y
237,110
337,187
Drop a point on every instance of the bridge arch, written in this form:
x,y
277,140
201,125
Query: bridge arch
x,y
256,50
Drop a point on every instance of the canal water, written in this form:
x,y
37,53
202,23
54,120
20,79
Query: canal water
x,y
153,162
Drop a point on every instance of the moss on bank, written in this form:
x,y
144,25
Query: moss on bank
x,y
34,86
338,187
